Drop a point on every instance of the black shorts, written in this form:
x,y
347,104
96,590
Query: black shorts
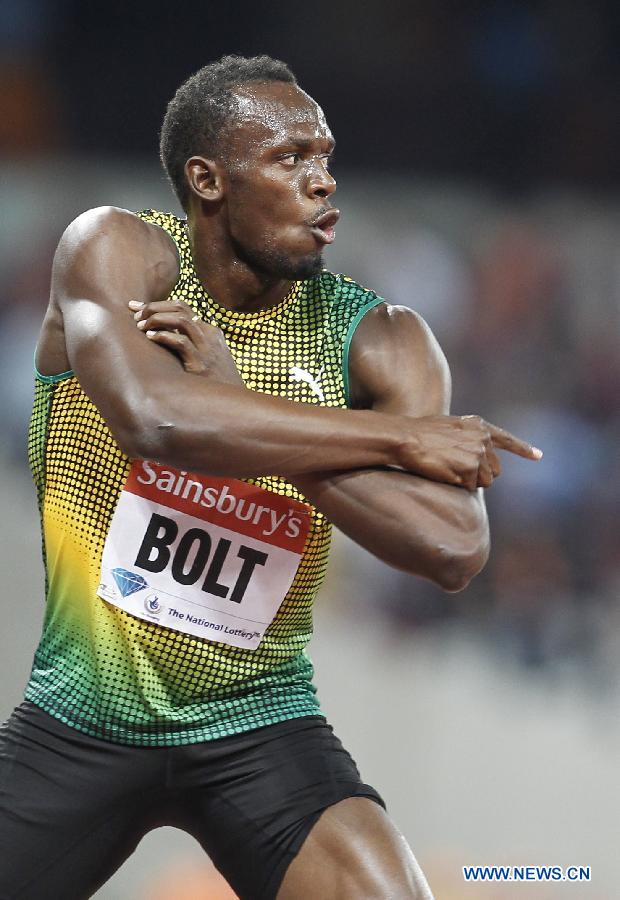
x,y
73,808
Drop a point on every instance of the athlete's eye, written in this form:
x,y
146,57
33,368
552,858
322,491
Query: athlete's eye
x,y
290,159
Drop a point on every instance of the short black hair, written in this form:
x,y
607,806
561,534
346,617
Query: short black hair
x,y
203,106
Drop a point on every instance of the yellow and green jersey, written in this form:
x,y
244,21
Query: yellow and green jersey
x,y
179,605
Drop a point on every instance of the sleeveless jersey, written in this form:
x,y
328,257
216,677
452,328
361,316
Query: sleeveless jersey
x,y
104,670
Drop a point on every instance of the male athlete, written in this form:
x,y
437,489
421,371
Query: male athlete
x,y
207,398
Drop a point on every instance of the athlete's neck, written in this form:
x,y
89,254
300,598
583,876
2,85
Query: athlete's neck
x,y
230,281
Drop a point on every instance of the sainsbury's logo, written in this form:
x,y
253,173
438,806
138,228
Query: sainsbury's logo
x,y
222,498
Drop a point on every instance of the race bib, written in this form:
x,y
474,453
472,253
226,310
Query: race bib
x,y
212,557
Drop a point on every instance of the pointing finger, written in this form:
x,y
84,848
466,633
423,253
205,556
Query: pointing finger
x,y
507,441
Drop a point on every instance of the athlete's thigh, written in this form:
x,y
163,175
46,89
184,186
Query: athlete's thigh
x,y
252,800
354,852
65,826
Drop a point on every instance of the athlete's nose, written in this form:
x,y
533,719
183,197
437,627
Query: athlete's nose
x,y
321,182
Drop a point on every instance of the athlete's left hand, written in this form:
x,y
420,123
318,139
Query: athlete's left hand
x,y
201,347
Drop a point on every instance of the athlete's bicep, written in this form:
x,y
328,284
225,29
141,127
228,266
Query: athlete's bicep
x,y
396,364
104,259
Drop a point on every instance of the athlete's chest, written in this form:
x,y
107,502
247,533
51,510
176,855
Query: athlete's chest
x,y
291,354
285,359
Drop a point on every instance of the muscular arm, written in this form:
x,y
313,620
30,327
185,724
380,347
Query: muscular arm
x,y
159,411
426,528
156,409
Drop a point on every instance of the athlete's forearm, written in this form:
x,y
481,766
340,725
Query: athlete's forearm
x,y
214,424
224,429
422,527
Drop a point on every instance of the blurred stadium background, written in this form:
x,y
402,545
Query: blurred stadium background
x,y
478,148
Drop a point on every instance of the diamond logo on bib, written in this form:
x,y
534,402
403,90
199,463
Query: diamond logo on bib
x,y
128,582
208,556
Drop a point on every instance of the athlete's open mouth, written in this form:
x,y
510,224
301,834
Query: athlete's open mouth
x,y
323,227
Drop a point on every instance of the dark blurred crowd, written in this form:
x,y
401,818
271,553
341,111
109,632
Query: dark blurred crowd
x,y
518,91
472,115
527,307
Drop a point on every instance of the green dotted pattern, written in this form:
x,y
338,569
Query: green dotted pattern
x,y
120,678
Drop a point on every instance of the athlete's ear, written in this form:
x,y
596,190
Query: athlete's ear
x,y
204,177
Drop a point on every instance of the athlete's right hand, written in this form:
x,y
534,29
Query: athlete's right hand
x,y
459,450
201,347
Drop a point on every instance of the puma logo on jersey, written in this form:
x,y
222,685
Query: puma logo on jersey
x,y
298,374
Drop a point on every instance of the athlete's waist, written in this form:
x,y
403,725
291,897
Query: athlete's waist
x,y
150,715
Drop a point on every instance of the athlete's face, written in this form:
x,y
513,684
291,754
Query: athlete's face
x,y
277,182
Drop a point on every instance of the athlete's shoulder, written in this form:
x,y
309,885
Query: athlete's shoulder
x,y
114,228
391,322
105,220
392,346
108,236
108,244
